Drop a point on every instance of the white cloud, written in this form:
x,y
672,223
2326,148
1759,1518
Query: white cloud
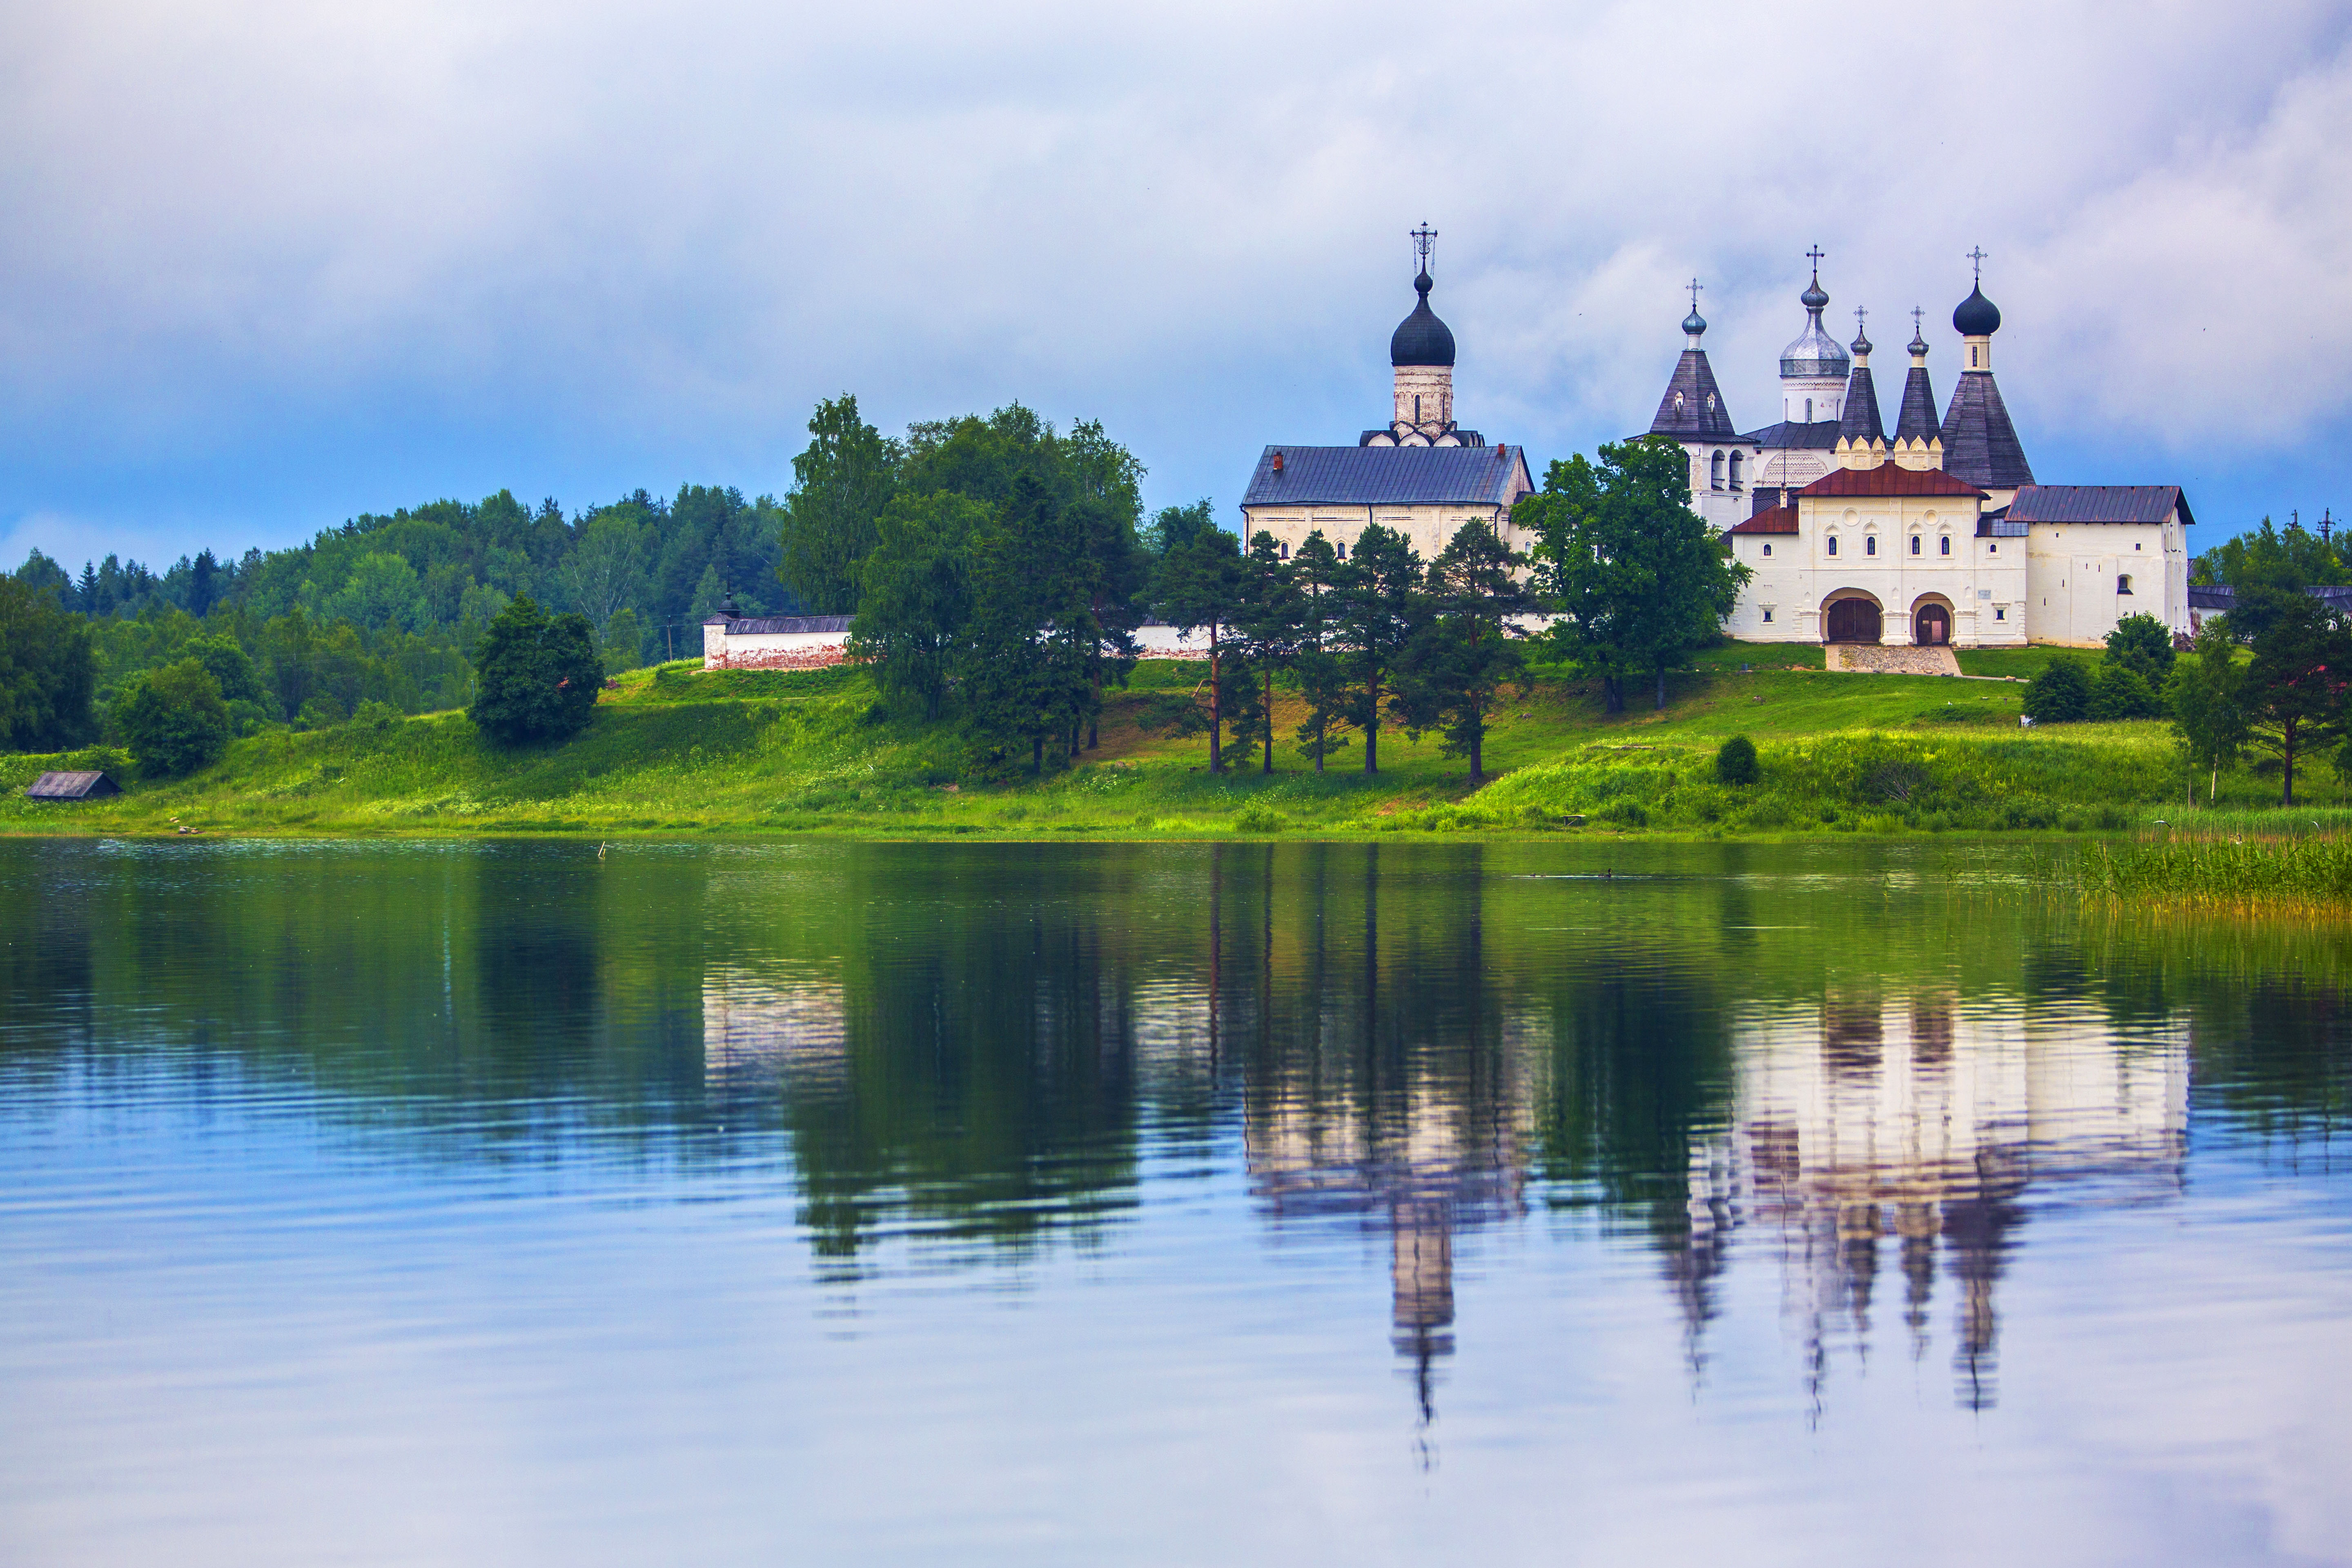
x,y
397,246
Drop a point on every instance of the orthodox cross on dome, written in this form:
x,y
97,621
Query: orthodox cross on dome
x,y
1860,313
1977,256
1424,240
1694,286
1815,255
1916,314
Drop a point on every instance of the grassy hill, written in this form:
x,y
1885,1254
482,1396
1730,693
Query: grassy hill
x,y
675,750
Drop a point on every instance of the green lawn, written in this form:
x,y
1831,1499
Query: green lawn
x,y
678,751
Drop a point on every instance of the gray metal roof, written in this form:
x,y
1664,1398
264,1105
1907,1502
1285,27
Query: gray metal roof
x,y
2099,503
1389,475
1789,435
772,625
71,785
2220,597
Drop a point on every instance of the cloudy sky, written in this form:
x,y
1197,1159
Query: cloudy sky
x,y
267,265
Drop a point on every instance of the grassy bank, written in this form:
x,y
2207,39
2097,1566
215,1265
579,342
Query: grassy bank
x,y
678,751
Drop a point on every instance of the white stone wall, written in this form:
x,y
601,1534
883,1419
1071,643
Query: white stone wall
x,y
1429,528
1424,394
1808,400
770,650
2075,567
1730,504
1983,582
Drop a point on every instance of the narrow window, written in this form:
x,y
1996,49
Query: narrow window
x,y
1972,356
1809,411
1715,477
1735,462
1992,550
1768,617
2123,584
1915,545
1343,551
1286,553
1768,547
2134,545
1870,545
2000,612
1947,545
1833,544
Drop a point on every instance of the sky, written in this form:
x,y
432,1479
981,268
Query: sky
x,y
266,265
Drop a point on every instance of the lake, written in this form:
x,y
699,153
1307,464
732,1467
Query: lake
x,y
717,1203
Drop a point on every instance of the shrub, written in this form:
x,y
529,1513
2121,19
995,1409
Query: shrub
x,y
1259,817
2143,645
1734,763
319,713
2060,694
175,720
537,677
2117,691
1625,812
373,715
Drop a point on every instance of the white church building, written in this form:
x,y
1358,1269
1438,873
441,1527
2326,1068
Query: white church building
x,y
1937,535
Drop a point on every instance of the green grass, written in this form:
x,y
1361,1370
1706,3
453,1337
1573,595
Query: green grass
x,y
677,751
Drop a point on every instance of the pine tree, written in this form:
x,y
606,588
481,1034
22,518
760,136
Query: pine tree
x,y
1269,613
1382,610
1198,587
1319,670
1469,650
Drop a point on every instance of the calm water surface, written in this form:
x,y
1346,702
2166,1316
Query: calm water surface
x,y
509,1203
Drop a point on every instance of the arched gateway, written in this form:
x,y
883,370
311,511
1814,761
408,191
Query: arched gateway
x,y
1931,622
1850,617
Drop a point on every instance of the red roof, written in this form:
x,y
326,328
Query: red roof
x,y
1887,479
1779,520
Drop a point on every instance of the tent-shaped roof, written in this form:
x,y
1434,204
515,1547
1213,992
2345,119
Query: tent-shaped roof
x,y
1691,409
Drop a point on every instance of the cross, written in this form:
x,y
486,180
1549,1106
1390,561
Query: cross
x,y
1860,311
1424,238
1694,285
1916,313
1816,253
1977,256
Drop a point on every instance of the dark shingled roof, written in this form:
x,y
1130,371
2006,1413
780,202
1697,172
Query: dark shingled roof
x,y
1390,476
1916,421
1702,416
1981,444
1779,520
774,625
1886,479
71,785
1859,422
2222,597
2099,503
1822,434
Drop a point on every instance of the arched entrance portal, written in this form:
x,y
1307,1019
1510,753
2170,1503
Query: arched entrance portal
x,y
1851,620
1931,626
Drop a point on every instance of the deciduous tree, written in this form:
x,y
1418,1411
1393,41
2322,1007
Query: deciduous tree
x,y
536,678
841,482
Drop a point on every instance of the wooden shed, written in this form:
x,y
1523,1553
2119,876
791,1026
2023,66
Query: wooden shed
x,y
72,786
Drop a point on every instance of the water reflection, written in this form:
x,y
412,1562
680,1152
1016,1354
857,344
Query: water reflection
x,y
966,1055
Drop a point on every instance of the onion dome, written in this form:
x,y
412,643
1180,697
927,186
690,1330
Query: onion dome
x,y
1976,317
1421,339
1814,354
1918,338
1860,343
1694,323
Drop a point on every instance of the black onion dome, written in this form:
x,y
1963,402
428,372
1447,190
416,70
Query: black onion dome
x,y
1976,317
1420,338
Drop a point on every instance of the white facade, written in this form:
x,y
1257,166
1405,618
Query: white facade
x,y
1908,556
779,642
2082,578
1428,528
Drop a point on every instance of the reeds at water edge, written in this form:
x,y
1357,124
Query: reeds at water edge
x,y
2224,866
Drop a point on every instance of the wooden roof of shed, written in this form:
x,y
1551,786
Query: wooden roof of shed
x,y
72,784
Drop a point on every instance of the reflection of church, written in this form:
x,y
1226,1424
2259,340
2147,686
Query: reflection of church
x,y
1432,1153
1912,1125
1938,534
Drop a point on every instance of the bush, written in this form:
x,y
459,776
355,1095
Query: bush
x,y
2117,691
1734,763
1625,812
2143,645
175,720
2060,694
373,715
1259,817
319,713
537,678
